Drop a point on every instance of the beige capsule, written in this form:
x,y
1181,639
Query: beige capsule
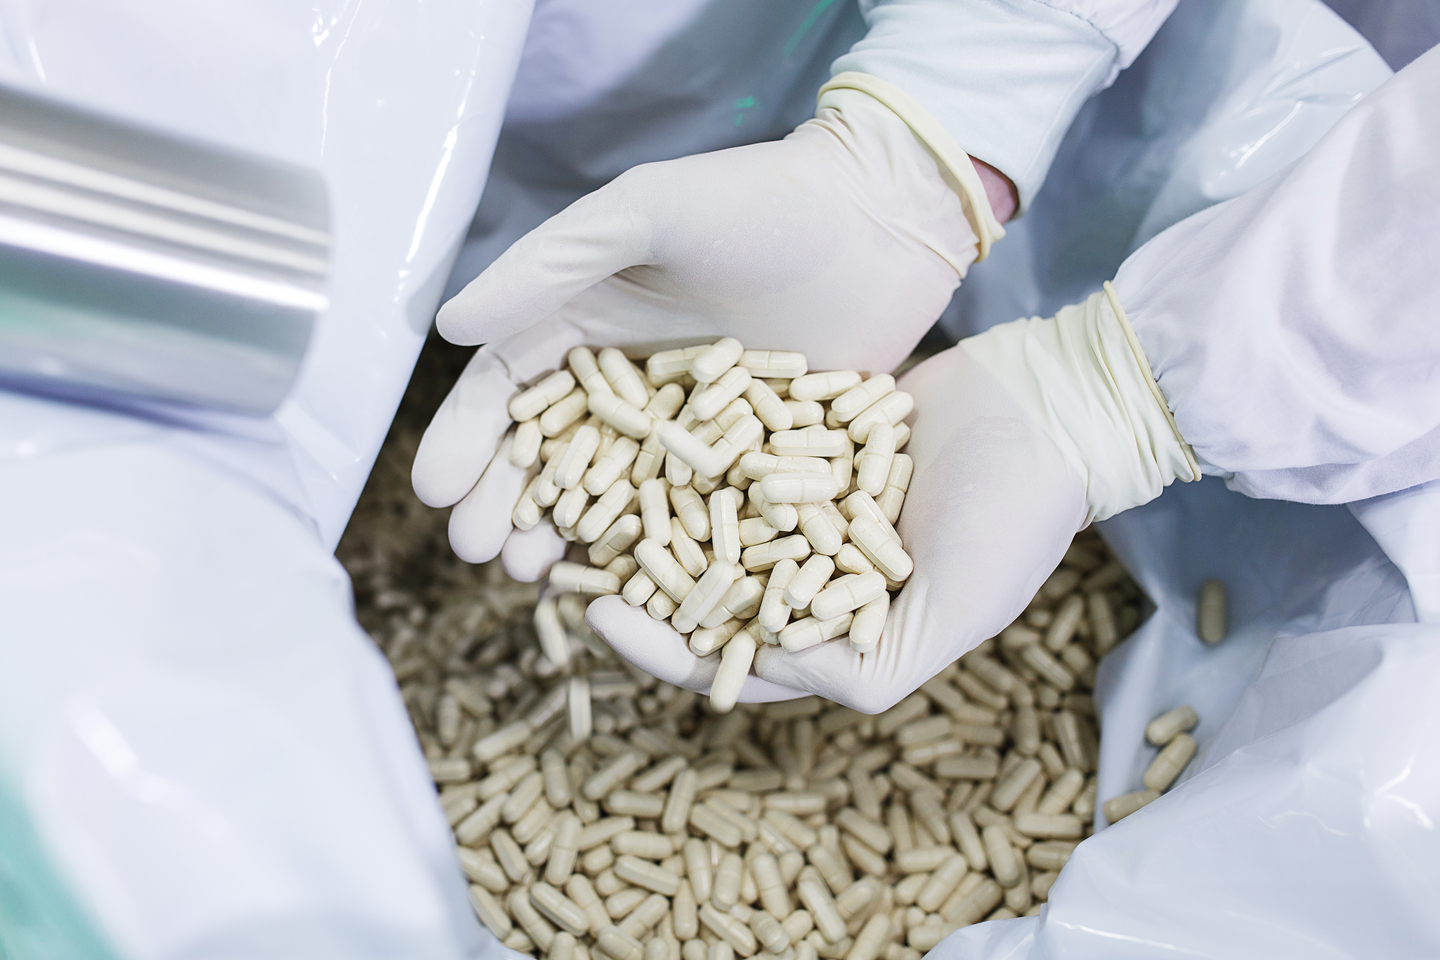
x,y
610,466
942,883
849,559
890,409
706,640
768,931
758,466
709,590
1169,762
639,588
525,446
818,901
1118,808
633,803
660,606
902,467
871,939
728,928
726,891
873,463
735,661
568,577
617,945
768,406
1049,854
583,364
698,869
559,909
530,920
1210,612
809,580
1062,792
490,912
755,530
614,772
563,850
1049,826
690,509
816,487
1004,864
846,594
661,566
669,364
766,555
571,464
1171,723
782,516
804,413
648,875
741,601
483,870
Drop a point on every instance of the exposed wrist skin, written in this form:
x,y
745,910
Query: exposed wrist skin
x,y
999,190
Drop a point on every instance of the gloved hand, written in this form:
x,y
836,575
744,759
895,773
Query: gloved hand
x,y
1021,436
844,241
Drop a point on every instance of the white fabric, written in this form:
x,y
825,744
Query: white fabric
x,y
1004,77
843,241
992,507
1292,328
1077,376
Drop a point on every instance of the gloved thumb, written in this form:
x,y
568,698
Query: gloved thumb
x,y
596,236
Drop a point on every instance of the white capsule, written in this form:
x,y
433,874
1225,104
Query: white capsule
x,y
622,376
782,516
810,442
551,634
655,510
605,511
891,409
817,528
713,361
529,404
823,386
896,484
763,556
1210,611
774,613
707,594
741,436
706,640
752,530
758,466
850,404
527,512
569,508
708,402
649,461
741,601
806,633
639,589
623,416
569,577
768,406
525,448
587,371
887,554
804,413
667,401
1165,727
671,364
847,594
575,458
692,451
661,566
617,538
686,550
774,364
869,623
562,413
798,487
725,526
613,464
808,581
727,881
691,511
849,559
735,662
731,412
873,463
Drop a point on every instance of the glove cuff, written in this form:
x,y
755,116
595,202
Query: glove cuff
x,y
955,165
1083,377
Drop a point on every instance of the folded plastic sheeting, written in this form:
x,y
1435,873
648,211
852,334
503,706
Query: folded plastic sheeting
x,y
1306,825
203,755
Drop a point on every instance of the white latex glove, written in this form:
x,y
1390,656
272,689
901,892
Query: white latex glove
x,y
843,241
1021,436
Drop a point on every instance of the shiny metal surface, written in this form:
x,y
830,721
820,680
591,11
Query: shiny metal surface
x,y
134,264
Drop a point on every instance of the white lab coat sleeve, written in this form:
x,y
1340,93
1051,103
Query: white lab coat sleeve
x,y
1292,329
1004,77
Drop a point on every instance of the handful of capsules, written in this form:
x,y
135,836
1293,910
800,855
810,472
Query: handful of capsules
x,y
729,491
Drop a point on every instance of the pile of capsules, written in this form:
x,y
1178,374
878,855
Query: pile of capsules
x,y
729,491
789,830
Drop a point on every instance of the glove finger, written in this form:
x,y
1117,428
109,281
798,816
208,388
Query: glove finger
x,y
480,522
528,555
600,234
655,647
464,433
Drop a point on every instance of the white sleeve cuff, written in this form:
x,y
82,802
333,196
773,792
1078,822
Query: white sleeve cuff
x,y
1004,77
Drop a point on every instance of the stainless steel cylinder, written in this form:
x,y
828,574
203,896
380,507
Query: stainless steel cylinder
x,y
135,264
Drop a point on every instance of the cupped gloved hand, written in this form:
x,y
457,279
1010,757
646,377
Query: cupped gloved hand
x,y
843,241
1021,436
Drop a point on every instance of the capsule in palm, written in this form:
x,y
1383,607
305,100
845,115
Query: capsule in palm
x,y
735,662
887,554
661,566
528,404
